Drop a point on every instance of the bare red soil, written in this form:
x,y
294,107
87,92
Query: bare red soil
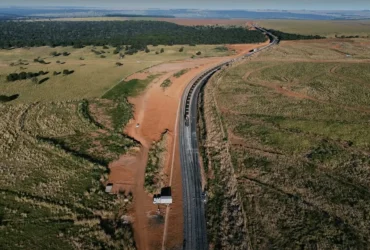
x,y
156,111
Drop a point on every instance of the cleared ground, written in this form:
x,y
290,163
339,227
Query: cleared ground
x,y
320,27
298,140
93,75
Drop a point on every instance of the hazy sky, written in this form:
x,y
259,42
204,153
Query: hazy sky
x,y
202,4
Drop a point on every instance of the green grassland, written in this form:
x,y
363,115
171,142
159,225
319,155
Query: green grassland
x,y
320,27
300,144
92,76
350,50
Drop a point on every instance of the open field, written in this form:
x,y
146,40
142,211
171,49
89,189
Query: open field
x,y
320,27
68,131
295,125
327,50
92,76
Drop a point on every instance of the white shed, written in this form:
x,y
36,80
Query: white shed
x,y
164,198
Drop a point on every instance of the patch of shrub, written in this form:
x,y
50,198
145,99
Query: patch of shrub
x,y
5,98
43,80
68,72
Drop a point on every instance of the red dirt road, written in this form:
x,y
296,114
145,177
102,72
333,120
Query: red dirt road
x,y
156,111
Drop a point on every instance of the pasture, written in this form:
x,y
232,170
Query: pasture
x,y
95,69
297,130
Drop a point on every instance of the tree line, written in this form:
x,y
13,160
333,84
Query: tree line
x,y
138,34
290,36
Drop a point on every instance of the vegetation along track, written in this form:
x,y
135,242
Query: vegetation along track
x,y
195,235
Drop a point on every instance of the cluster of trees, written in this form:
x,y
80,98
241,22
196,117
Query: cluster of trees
x,y
30,75
138,34
65,72
24,75
288,36
352,36
39,60
54,53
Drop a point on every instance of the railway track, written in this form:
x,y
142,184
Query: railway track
x,y
195,230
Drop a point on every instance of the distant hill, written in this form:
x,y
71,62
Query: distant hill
x,y
133,15
186,13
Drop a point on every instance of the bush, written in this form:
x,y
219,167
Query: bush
x,y
68,72
5,98
181,49
43,80
54,53
199,53
117,50
12,77
162,50
119,64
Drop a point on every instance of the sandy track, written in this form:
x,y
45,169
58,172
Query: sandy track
x,y
156,111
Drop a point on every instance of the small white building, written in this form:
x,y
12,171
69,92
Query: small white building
x,y
164,198
108,187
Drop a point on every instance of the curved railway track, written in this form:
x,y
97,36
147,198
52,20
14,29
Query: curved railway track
x,y
195,231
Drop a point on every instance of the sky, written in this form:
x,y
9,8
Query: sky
x,y
201,4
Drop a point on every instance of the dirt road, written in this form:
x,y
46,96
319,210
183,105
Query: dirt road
x,y
156,110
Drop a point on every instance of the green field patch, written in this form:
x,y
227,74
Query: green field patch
x,y
129,88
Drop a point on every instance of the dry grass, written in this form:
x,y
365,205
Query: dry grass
x,y
322,28
92,76
154,177
299,143
53,168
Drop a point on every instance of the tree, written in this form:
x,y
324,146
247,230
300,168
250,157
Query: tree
x,y
117,50
22,75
